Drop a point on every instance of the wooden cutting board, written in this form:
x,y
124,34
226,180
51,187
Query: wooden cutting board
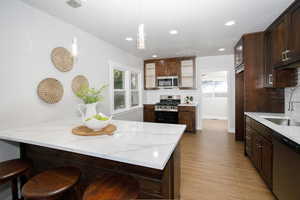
x,y
85,131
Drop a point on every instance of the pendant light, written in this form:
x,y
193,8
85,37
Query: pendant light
x,y
141,36
74,48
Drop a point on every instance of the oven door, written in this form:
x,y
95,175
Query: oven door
x,y
166,117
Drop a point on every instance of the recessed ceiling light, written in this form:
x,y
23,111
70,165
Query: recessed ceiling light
x,y
230,23
154,56
222,49
129,38
173,32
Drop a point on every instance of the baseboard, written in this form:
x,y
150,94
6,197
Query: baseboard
x,y
215,118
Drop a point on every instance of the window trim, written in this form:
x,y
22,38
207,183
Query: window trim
x,y
127,87
139,88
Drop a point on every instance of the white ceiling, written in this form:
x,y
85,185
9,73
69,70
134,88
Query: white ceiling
x,y
200,22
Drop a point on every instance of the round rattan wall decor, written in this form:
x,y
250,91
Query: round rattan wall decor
x,y
78,82
50,90
62,59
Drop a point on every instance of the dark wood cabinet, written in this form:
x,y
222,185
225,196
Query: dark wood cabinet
x,y
249,142
283,49
167,67
284,38
187,116
256,149
149,113
266,160
161,68
239,106
173,67
261,149
294,33
251,95
278,42
170,67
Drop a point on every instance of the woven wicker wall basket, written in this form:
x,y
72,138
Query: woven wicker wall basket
x,y
78,82
50,90
62,59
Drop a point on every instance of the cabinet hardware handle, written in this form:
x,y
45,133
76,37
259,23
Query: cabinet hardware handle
x,y
287,55
283,56
271,79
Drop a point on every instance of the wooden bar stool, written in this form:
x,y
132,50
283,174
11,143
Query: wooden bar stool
x,y
10,171
113,187
52,184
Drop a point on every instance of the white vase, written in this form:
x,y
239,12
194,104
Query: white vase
x,y
87,110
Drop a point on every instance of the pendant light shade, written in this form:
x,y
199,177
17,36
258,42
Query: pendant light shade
x,y
141,43
74,47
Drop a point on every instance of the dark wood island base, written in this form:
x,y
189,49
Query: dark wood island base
x,y
154,183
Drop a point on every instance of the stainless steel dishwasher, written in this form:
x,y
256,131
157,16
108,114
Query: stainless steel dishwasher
x,y
286,168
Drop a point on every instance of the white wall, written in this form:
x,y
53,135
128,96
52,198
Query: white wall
x,y
215,108
27,38
296,97
205,65
221,63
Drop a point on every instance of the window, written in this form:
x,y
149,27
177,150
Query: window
x,y
134,89
119,89
126,88
215,84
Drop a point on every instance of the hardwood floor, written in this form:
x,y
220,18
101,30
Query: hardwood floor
x,y
214,167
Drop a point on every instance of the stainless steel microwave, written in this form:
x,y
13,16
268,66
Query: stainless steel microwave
x,y
167,82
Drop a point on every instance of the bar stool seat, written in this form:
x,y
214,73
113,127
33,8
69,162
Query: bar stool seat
x,y
12,169
51,184
113,187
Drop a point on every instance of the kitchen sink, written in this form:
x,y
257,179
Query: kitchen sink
x,y
283,121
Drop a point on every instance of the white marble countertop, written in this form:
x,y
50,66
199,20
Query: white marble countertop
x,y
138,143
290,132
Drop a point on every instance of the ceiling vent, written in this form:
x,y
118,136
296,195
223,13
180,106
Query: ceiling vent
x,y
75,3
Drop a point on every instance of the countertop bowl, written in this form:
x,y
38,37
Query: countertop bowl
x,y
97,125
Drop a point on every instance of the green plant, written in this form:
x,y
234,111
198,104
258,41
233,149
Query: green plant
x,y
90,95
98,117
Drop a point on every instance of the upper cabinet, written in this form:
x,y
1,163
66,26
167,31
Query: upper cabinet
x,y
277,37
183,68
283,49
284,38
167,67
150,76
238,54
172,66
187,71
293,52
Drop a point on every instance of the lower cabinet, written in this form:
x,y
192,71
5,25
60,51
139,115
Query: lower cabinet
x,y
261,149
149,113
267,161
187,116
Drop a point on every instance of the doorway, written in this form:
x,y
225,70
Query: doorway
x,y
214,95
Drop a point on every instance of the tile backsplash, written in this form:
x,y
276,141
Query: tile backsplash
x,y
152,97
296,97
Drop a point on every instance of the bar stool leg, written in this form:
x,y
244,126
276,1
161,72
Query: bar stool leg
x,y
14,189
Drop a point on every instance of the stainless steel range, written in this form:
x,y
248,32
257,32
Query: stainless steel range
x,y
166,111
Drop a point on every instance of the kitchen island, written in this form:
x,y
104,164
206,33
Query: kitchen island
x,y
150,152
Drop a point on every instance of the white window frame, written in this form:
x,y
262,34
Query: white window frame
x,y
127,87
